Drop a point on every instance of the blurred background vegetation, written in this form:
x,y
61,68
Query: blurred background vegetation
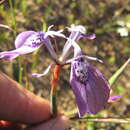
x,y
110,20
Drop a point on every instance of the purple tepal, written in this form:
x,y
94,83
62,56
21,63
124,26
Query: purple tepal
x,y
90,87
26,42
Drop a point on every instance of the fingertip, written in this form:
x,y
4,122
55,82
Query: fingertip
x,y
19,104
59,123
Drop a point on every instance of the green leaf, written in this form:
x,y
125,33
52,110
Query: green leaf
x,y
118,72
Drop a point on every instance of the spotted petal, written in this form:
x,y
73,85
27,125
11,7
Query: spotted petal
x,y
93,94
26,42
44,73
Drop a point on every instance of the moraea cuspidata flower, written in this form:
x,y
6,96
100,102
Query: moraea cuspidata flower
x,y
90,87
29,41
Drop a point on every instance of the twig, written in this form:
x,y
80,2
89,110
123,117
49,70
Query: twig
x,y
107,120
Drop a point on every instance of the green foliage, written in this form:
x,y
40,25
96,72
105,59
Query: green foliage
x,y
118,72
90,125
23,5
120,89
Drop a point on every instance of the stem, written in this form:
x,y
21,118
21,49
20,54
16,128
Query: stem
x,y
54,84
35,59
53,102
12,9
20,69
44,26
26,76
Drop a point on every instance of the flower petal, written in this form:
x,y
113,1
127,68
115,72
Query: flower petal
x,y
50,49
77,28
93,58
44,73
113,98
8,55
22,37
93,36
48,42
55,33
77,32
30,44
19,51
67,50
92,95
77,49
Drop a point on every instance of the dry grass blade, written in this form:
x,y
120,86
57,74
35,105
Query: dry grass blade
x,y
6,26
107,120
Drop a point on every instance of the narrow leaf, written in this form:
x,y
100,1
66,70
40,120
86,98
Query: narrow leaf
x,y
118,72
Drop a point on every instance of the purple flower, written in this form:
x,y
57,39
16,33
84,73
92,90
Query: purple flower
x,y
29,41
90,87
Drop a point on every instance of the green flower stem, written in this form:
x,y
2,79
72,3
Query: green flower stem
x,y
53,102
20,69
35,59
12,9
26,76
